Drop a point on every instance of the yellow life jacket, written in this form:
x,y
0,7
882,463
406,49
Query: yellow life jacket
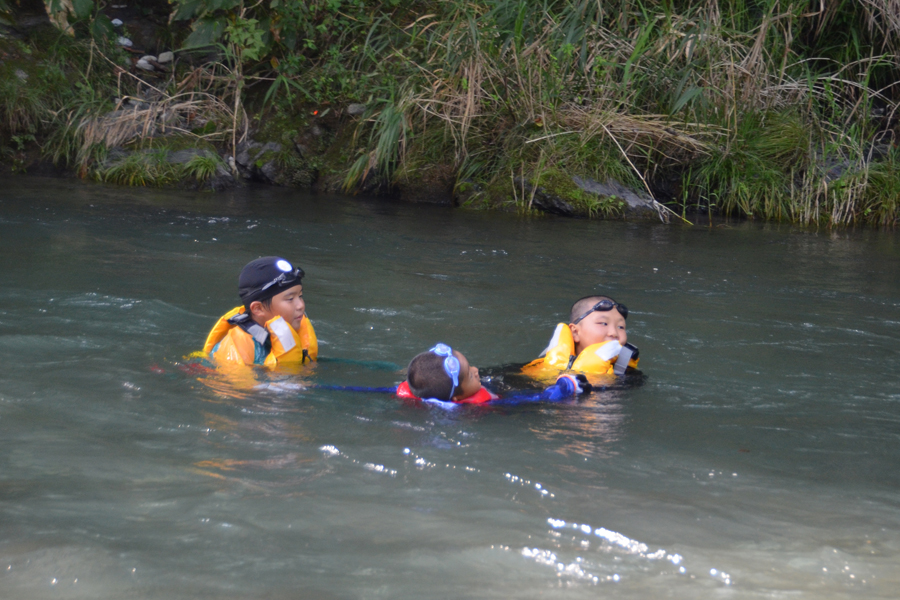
x,y
235,335
596,359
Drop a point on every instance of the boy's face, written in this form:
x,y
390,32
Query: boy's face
x,y
469,381
599,327
288,305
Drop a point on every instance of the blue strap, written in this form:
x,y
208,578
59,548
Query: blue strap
x,y
355,388
561,390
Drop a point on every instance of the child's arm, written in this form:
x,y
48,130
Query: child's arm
x,y
566,386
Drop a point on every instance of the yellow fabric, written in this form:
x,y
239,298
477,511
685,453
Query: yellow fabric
x,y
220,329
237,346
305,339
589,362
562,350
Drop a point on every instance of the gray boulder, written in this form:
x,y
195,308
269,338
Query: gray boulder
x,y
181,157
638,203
552,200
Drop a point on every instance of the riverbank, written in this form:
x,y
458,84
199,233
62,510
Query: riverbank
x,y
754,110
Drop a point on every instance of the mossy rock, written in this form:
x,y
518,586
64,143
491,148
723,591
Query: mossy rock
x,y
497,194
296,149
559,193
431,184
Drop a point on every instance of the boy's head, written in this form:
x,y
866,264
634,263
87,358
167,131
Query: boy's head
x,y
442,373
596,319
271,287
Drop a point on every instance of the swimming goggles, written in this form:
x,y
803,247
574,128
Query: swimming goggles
x,y
603,306
451,364
288,275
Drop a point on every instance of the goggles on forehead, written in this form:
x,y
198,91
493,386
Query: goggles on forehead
x,y
451,364
604,306
288,275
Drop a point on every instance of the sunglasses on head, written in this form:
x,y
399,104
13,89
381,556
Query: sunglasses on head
x,y
603,306
451,364
286,276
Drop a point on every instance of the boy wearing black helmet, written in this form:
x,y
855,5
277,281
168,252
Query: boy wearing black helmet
x,y
271,327
594,341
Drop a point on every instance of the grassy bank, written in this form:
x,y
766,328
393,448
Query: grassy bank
x,y
770,109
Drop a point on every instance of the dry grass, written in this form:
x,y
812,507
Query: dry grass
x,y
199,99
181,113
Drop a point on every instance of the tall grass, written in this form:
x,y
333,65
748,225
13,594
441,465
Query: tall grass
x,y
771,109
759,105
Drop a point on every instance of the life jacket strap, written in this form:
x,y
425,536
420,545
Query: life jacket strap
x,y
625,355
256,331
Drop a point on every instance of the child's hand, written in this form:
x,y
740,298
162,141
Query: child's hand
x,y
570,385
577,383
584,386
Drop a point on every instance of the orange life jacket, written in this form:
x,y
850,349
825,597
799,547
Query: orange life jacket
x,y
235,334
596,359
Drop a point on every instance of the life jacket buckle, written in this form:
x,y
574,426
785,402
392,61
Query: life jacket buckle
x,y
256,331
625,355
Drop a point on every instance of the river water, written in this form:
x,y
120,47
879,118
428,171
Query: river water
x,y
759,459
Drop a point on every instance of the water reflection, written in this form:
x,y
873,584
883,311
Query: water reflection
x,y
589,429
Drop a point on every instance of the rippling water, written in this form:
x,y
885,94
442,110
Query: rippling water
x,y
758,459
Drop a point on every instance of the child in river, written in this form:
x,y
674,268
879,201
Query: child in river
x,y
271,327
594,341
443,375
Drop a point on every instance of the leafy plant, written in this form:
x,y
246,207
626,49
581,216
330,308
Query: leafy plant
x,y
202,166
141,169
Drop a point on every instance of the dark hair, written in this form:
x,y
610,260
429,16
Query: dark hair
x,y
427,378
583,304
267,303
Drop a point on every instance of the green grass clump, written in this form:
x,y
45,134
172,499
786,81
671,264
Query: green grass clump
x,y
202,167
142,169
